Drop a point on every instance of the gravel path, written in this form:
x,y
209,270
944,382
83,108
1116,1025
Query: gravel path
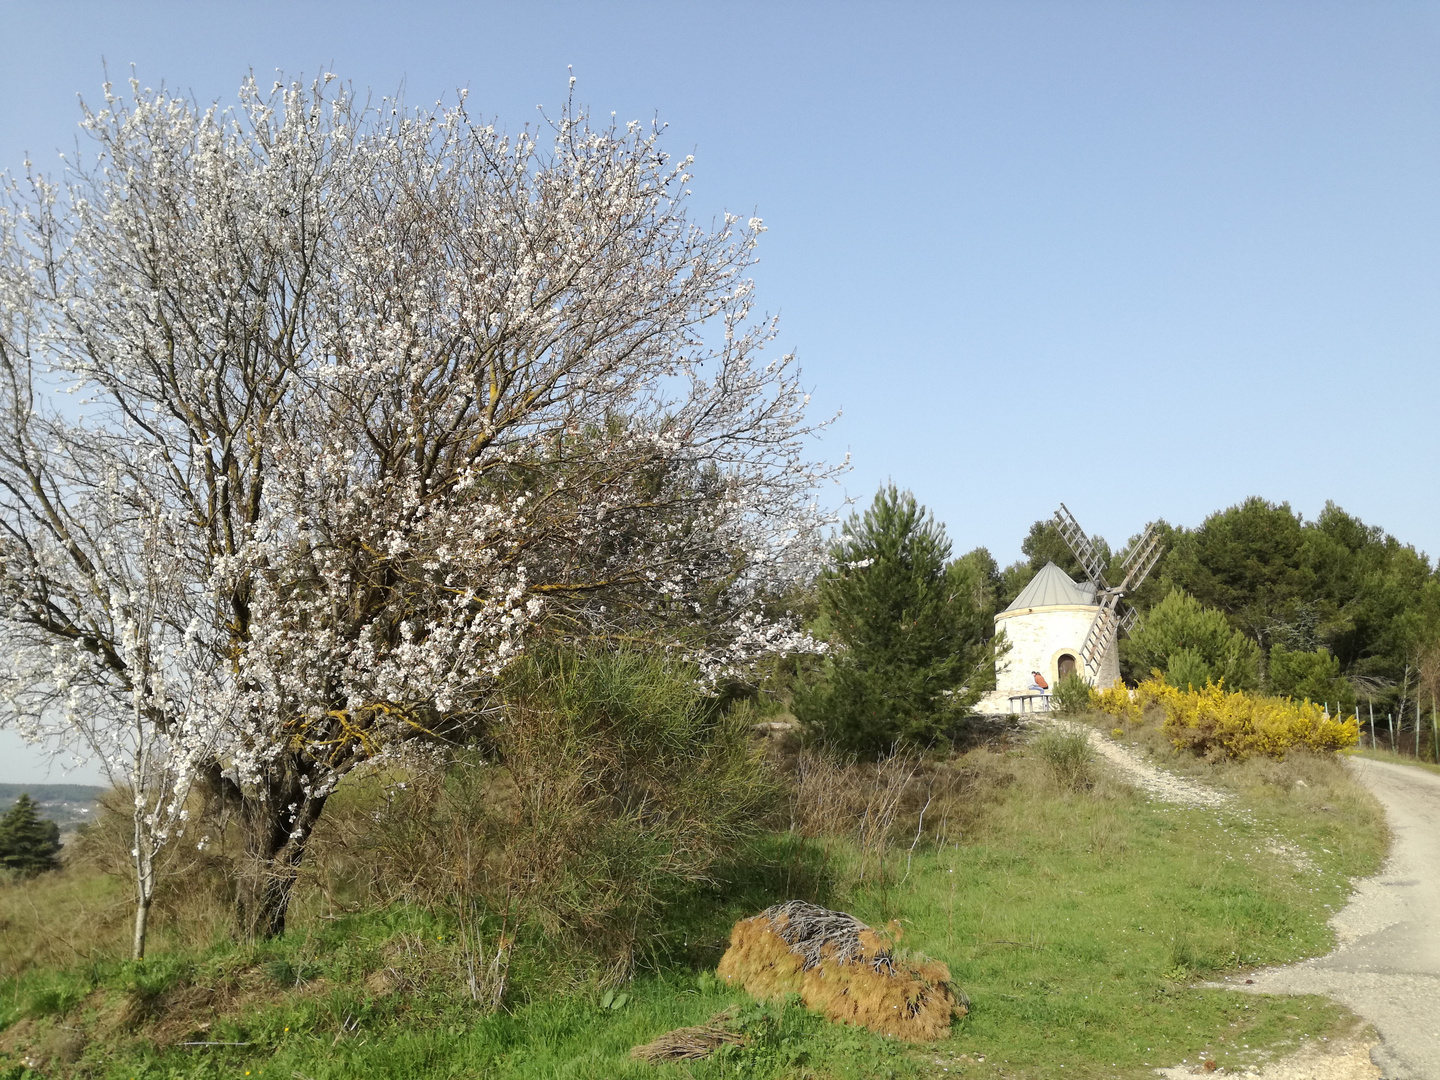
x,y
1389,957
1387,965
1164,785
1159,783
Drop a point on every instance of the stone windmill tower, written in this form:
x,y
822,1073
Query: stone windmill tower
x,y
1058,626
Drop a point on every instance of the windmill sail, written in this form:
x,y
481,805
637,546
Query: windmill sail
x,y
1136,566
1097,641
1080,544
1129,619
1141,559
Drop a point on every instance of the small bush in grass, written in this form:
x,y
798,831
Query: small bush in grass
x,y
1072,696
1068,757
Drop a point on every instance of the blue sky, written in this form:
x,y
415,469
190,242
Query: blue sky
x,y
1145,258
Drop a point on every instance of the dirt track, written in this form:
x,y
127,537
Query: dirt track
x,y
1387,964
1386,967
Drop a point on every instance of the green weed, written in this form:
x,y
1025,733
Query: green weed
x,y
1069,757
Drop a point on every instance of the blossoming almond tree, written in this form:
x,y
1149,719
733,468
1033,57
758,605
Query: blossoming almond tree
x,y
410,391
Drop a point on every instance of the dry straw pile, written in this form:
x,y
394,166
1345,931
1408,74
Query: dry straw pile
x,y
691,1043
842,968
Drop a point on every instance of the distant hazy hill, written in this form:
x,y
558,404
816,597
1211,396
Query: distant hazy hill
x,y
67,805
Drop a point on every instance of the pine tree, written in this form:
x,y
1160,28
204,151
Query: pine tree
x,y
28,843
912,656
1192,645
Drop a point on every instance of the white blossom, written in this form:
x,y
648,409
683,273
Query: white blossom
x,y
368,396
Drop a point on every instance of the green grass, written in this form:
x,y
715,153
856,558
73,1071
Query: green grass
x,y
332,1027
1115,907
1078,921
1307,799
1397,759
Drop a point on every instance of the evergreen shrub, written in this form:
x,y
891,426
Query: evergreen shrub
x,y
910,656
1193,645
1309,676
28,843
1072,696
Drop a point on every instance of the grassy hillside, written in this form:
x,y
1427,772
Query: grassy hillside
x,y
1076,915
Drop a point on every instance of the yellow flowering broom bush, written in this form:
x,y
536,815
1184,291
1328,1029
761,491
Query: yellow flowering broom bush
x,y
1220,723
1155,691
1116,701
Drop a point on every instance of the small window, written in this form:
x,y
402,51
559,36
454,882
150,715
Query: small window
x,y
1067,666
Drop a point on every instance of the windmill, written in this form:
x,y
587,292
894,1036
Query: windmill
x,y
1135,566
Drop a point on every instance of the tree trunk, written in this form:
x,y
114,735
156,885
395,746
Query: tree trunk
x,y
142,921
144,856
278,819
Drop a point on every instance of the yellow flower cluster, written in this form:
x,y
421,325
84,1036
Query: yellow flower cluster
x,y
1156,691
1220,723
1116,701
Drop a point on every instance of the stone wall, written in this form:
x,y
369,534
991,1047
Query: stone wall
x,y
1038,637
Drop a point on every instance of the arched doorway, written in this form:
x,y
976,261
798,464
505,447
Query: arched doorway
x,y
1066,666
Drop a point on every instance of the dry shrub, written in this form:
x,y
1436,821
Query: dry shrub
x,y
843,969
691,1043
872,812
840,795
825,791
867,802
892,779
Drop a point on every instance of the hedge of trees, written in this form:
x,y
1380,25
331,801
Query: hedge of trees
x,y
1332,608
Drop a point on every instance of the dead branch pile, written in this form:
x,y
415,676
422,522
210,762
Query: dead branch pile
x,y
842,968
690,1043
